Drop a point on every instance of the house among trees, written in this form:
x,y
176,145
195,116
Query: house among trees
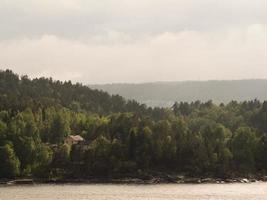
x,y
74,139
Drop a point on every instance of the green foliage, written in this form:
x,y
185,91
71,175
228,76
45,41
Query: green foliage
x,y
244,145
123,138
19,93
98,157
43,161
3,132
9,163
62,155
60,128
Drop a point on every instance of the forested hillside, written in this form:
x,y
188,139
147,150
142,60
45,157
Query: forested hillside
x,y
19,93
123,138
166,93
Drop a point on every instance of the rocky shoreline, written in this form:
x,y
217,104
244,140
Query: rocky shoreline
x,y
155,180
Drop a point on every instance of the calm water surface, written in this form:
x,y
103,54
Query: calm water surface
x,y
139,192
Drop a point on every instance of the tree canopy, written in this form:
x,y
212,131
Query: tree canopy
x,y
123,137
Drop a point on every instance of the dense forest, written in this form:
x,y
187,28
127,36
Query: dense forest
x,y
122,137
166,93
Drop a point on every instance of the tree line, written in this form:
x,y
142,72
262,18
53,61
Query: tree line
x,y
123,138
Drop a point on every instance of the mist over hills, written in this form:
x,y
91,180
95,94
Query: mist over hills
x,y
166,93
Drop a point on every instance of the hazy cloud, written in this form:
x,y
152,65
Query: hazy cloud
x,y
133,41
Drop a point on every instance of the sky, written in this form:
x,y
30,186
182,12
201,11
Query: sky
x,y
133,41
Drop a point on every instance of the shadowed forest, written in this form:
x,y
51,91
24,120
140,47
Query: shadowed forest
x,y
123,138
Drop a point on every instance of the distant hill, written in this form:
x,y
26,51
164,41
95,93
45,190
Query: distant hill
x,y
165,93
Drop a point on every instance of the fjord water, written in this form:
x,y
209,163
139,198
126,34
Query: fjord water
x,y
140,192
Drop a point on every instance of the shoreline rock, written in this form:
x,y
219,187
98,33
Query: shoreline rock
x,y
154,180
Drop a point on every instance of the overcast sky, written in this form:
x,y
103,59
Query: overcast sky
x,y
104,41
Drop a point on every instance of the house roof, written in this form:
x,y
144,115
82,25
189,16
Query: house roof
x,y
77,138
